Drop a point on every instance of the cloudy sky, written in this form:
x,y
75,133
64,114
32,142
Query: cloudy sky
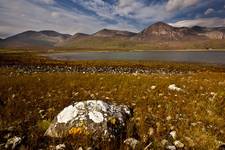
x,y
89,16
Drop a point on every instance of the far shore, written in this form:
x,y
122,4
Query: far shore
x,y
109,50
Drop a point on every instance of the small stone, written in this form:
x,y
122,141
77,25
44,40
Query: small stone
x,y
92,96
171,147
153,87
173,87
80,148
173,134
150,131
13,142
133,143
13,96
193,124
60,147
178,144
168,118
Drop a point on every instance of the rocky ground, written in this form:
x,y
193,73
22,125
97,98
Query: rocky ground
x,y
28,69
173,106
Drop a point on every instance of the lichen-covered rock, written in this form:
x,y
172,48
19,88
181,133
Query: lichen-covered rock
x,y
90,118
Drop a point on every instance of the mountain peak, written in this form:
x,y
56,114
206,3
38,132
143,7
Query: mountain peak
x,y
160,23
160,26
162,31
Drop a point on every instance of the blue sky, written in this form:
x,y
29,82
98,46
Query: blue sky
x,y
89,16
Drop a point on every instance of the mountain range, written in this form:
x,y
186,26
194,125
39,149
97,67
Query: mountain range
x,y
157,36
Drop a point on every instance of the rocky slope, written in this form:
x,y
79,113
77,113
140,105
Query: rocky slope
x,y
162,31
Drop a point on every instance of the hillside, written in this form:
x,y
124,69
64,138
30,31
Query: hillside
x,y
157,36
34,40
114,33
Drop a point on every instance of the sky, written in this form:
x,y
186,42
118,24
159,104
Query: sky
x,y
89,16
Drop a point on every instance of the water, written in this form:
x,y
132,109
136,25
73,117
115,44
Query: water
x,y
208,57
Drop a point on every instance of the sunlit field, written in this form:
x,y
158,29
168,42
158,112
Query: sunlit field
x,y
194,110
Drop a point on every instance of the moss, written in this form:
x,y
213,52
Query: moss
x,y
43,124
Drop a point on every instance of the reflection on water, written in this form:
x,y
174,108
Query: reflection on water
x,y
199,57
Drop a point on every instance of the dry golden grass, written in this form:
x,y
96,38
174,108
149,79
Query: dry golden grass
x,y
196,114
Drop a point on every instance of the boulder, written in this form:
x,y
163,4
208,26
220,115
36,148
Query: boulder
x,y
94,118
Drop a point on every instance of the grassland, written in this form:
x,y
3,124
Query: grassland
x,y
29,101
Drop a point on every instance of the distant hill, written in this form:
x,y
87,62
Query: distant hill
x,y
157,36
34,40
113,33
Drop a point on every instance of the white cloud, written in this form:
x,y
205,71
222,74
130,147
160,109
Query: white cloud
x,y
100,7
47,1
173,5
209,11
206,22
141,12
19,16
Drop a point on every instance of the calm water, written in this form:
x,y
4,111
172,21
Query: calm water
x,y
192,57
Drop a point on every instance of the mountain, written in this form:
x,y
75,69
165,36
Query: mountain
x,y
79,35
161,31
34,40
113,33
157,36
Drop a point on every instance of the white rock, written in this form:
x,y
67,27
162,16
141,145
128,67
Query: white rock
x,y
91,115
168,118
96,116
92,107
13,141
150,131
153,87
60,147
173,134
173,87
80,148
67,114
178,144
171,147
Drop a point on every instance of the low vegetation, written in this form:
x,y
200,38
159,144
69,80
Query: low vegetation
x,y
196,113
